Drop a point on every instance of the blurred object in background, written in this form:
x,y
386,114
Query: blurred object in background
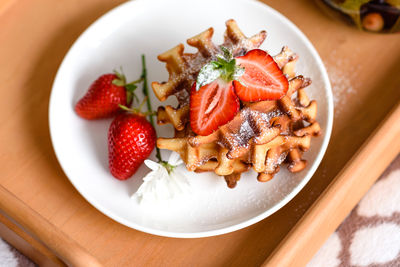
x,y
375,16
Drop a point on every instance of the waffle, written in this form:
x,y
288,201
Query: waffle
x,y
262,135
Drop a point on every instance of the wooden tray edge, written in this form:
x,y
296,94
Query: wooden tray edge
x,y
26,244
42,231
341,196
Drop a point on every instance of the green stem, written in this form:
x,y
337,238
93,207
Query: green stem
x,y
142,104
146,93
137,81
136,110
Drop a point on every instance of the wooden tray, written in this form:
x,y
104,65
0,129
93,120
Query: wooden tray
x,y
43,214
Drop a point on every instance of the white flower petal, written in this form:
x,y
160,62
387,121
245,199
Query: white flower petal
x,y
180,180
159,185
152,165
175,159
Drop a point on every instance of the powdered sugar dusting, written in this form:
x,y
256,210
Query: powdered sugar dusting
x,y
341,80
268,116
243,136
341,86
282,158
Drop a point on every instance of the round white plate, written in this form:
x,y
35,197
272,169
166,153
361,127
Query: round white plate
x,y
151,27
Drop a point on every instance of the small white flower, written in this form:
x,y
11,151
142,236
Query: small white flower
x,y
161,185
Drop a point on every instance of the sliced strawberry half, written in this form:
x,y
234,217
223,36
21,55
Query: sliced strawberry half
x,y
262,78
212,106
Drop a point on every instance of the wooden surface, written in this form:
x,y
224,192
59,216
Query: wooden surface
x,y
38,228
17,237
34,37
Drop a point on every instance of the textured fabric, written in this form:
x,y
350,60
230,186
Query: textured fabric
x,y
7,257
370,235
10,257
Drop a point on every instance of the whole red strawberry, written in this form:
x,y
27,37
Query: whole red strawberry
x,y
131,139
104,96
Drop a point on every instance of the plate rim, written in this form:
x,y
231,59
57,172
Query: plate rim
x,y
227,229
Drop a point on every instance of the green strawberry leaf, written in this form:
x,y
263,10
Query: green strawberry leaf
x,y
228,70
118,82
224,67
136,98
227,54
121,76
129,97
130,92
130,87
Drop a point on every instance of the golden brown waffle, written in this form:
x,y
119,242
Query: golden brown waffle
x,y
262,135
183,68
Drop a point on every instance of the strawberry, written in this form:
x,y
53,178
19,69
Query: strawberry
x,y
262,78
213,105
104,96
214,98
131,139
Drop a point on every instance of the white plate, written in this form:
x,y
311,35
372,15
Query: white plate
x,y
151,27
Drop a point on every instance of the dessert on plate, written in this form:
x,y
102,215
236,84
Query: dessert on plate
x,y
238,107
